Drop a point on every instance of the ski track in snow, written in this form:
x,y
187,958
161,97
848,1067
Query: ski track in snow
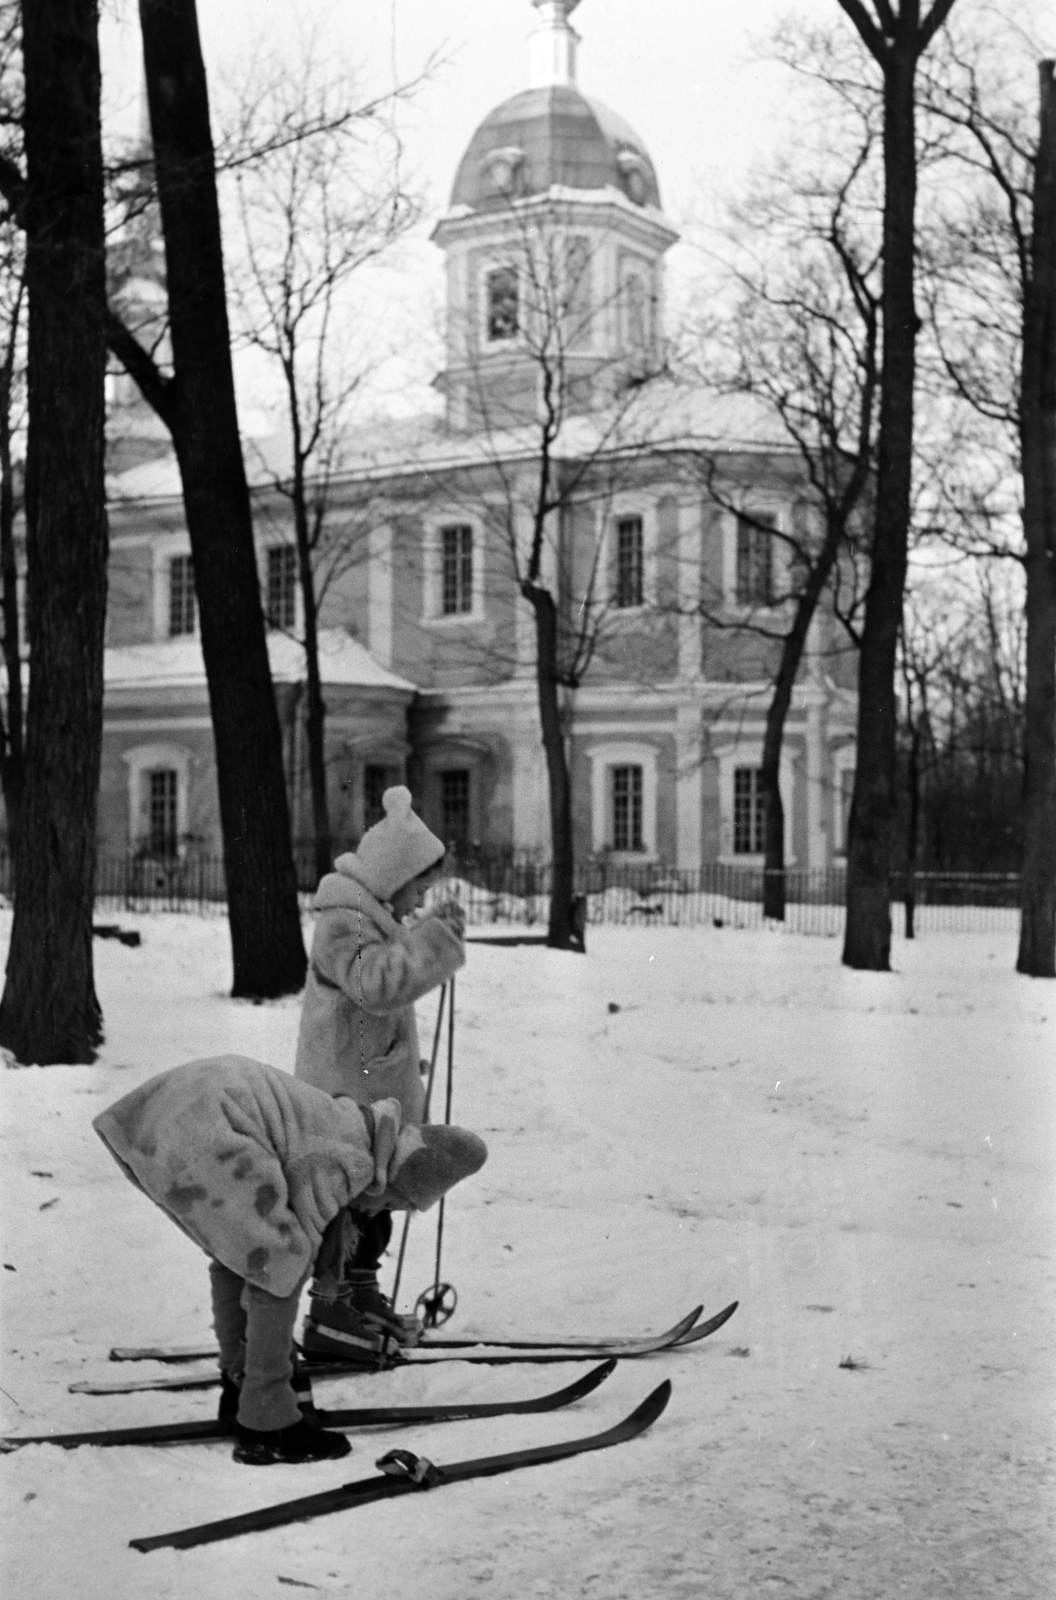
x,y
864,1160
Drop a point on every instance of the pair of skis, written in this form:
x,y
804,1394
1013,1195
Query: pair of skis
x,y
401,1472
495,1353
203,1430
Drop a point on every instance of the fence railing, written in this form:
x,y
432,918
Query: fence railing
x,y
720,894
514,890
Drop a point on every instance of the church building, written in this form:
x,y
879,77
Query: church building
x,y
654,515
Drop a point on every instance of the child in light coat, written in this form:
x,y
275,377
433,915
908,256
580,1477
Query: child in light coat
x,y
254,1166
358,1037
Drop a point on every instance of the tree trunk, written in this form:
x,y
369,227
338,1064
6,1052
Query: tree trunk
x,y
12,756
315,712
1037,421
792,648
871,834
562,933
912,825
49,1011
267,947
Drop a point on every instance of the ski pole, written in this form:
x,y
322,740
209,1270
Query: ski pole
x,y
447,1124
442,1297
425,1117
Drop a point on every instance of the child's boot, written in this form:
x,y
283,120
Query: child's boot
x,y
355,1324
301,1441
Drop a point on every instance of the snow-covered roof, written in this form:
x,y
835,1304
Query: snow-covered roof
x,y
178,663
266,457
664,417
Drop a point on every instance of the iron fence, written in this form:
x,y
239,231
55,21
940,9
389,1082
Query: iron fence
x,y
513,890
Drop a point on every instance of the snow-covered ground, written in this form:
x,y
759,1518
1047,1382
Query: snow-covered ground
x,y
865,1161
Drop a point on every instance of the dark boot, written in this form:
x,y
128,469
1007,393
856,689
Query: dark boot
x,y
301,1441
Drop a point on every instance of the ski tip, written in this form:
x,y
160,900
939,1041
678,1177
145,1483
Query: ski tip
x,y
651,1407
703,1329
594,1377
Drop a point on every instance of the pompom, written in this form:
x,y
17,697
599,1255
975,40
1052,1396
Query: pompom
x,y
396,802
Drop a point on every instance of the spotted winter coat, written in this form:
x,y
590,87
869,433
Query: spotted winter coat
x,y
358,1034
249,1162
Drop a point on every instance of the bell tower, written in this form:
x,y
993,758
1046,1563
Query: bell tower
x,y
554,241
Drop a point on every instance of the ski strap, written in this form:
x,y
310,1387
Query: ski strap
x,y
415,1469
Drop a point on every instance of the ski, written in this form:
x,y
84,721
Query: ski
x,y
405,1473
175,1353
344,1421
411,1357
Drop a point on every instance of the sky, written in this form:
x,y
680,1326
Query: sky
x,y
686,76
691,78
682,73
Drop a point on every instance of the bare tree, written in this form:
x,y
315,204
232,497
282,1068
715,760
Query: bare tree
x,y
197,403
896,36
962,661
49,1011
993,312
799,331
312,212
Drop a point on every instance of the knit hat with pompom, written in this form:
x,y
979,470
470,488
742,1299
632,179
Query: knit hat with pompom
x,y
428,1161
394,850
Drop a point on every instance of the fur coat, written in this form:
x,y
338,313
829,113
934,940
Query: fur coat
x,y
248,1161
358,1034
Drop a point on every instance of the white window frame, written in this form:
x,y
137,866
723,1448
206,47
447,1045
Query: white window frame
x,y
845,759
602,758
265,551
162,552
630,505
433,573
147,758
762,505
729,755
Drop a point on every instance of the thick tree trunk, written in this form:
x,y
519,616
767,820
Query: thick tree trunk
x,y
267,946
1037,937
49,1011
562,933
12,757
871,834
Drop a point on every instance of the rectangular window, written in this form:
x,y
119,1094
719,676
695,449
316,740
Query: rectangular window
x,y
454,805
503,310
629,562
578,301
747,812
162,811
627,808
181,596
456,587
755,559
375,782
281,605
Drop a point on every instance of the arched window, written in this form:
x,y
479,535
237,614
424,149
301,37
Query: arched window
x,y
158,785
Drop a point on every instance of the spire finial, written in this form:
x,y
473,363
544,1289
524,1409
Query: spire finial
x,y
552,45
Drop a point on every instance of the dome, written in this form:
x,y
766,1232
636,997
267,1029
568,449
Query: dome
x,y
552,135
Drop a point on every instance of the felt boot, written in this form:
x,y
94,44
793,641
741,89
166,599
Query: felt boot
x,y
301,1441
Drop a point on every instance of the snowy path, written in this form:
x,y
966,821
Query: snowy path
x,y
866,1161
